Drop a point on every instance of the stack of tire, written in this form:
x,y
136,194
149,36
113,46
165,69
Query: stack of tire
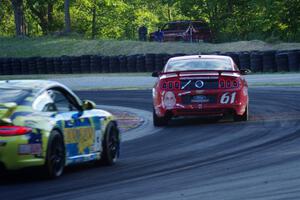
x,y
50,65
269,64
85,66
41,65
281,61
114,64
75,65
105,64
141,63
244,60
256,61
32,65
57,65
24,65
123,63
159,62
131,63
96,66
294,60
150,62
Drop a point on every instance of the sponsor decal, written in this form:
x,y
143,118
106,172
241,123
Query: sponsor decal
x,y
169,100
199,84
30,149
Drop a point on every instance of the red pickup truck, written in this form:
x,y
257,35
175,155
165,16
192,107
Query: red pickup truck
x,y
188,30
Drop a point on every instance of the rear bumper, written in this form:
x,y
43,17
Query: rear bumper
x,y
11,156
202,110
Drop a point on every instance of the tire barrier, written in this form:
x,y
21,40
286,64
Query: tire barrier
x,y
57,65
96,66
282,62
105,64
257,61
131,63
140,63
159,62
85,64
40,66
24,66
244,58
114,64
150,62
123,63
269,64
294,61
32,65
50,65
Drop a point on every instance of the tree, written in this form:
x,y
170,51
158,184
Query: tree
x,y
67,16
19,17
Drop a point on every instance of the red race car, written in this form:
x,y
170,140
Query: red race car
x,y
207,85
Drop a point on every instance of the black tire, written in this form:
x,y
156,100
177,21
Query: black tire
x,y
110,145
240,118
159,121
55,158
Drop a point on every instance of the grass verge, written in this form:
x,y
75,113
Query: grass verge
x,y
58,46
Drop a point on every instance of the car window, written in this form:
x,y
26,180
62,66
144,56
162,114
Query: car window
x,y
176,26
44,103
198,64
53,101
61,102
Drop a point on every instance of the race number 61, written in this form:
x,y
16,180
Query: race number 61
x,y
228,98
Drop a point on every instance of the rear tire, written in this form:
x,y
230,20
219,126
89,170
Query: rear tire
x,y
159,121
110,145
244,117
55,158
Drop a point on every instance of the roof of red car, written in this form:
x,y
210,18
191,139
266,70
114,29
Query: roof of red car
x,y
200,56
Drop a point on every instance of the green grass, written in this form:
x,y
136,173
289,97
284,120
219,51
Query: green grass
x,y
58,46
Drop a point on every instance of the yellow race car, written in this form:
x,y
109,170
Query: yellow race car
x,y
43,123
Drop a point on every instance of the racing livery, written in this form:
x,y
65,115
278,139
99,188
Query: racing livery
x,y
43,123
207,85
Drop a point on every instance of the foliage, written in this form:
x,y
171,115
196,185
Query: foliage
x,y
230,20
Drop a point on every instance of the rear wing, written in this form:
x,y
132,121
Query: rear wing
x,y
157,74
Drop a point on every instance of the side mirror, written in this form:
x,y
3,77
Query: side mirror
x,y
88,105
245,71
155,74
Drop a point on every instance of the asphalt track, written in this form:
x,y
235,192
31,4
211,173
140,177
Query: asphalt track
x,y
191,158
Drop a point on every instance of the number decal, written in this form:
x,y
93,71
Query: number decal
x,y
228,98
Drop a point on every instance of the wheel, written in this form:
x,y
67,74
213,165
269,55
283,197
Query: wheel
x,y
159,121
55,157
244,117
110,145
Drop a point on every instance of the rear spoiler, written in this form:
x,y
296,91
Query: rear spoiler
x,y
6,110
157,74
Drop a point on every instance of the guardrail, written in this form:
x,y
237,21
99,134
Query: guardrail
x,y
257,61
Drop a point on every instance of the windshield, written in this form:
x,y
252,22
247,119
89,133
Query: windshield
x,y
13,95
199,64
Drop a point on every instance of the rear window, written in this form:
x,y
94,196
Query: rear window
x,y
199,64
176,26
13,95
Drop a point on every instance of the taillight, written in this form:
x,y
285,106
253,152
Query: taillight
x,y
14,130
170,85
229,83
